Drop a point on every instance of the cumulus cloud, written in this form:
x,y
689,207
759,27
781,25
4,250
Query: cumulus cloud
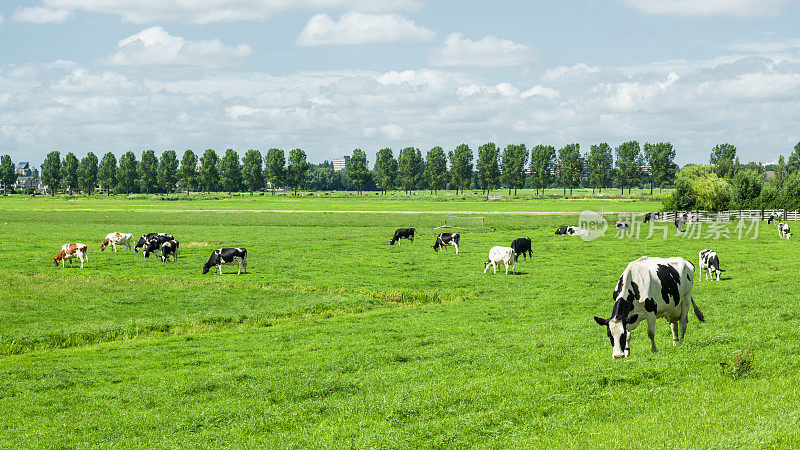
x,y
38,14
361,28
490,51
138,11
541,91
154,46
578,71
708,8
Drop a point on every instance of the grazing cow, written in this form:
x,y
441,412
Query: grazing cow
x,y
650,217
522,246
71,251
709,264
445,239
575,231
650,288
153,244
623,226
115,239
774,217
561,231
682,220
403,233
784,231
226,256
504,254
169,248
162,237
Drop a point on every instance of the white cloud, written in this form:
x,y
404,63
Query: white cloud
x,y
541,91
362,28
579,71
708,8
154,46
490,51
766,46
202,12
1,18
38,14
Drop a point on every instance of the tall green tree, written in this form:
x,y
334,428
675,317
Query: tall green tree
x,y
410,162
794,160
600,163
230,172
188,175
69,172
276,168
543,163
724,160
629,165
87,173
515,157
209,171
747,187
660,157
297,169
51,171
253,170
168,171
7,175
148,172
107,172
461,167
358,171
436,169
385,170
126,173
488,167
570,167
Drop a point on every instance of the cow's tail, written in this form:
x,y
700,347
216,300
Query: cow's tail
x,y
697,311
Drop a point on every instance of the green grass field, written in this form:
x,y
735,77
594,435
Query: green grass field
x,y
334,338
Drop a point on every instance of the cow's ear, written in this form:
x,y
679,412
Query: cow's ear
x,y
600,321
632,319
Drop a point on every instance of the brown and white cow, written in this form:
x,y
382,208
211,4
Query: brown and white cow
x,y
71,251
115,239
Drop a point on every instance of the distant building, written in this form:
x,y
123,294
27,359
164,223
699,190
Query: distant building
x,y
24,169
340,163
26,182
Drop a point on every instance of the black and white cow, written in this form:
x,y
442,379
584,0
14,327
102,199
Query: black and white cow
x,y
403,233
650,217
561,231
623,226
161,237
446,239
784,231
169,248
227,256
774,217
709,264
651,288
153,245
521,246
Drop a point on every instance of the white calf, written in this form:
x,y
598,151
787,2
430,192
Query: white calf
x,y
504,254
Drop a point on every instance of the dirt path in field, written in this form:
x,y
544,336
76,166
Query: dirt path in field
x,y
150,210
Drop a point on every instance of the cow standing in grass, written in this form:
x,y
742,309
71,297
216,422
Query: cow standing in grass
x,y
169,248
651,288
522,246
709,264
70,252
225,256
403,233
498,254
784,231
115,239
445,239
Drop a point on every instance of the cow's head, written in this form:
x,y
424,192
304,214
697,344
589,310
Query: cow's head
x,y
103,245
618,331
59,257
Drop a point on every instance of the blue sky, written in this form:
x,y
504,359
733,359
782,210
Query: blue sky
x,y
329,76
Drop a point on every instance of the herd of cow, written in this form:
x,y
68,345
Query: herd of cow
x,y
649,288
154,243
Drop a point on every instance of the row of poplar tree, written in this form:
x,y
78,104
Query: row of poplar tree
x,y
541,167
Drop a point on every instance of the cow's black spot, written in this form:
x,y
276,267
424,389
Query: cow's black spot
x,y
650,305
688,277
618,289
635,290
670,280
622,308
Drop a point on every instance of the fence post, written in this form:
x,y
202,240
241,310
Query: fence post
x,y
784,214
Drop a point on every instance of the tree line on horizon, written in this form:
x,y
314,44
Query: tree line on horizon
x,y
514,167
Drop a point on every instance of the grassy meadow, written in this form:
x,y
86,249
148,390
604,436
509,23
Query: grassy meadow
x,y
334,338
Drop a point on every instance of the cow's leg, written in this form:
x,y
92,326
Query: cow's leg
x,y
506,264
514,267
456,246
651,331
684,323
494,266
627,350
219,266
673,325
244,263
